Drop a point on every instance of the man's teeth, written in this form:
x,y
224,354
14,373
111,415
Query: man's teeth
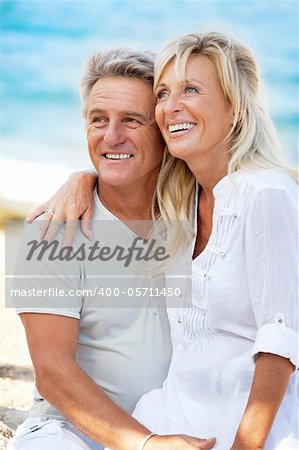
x,y
118,156
180,127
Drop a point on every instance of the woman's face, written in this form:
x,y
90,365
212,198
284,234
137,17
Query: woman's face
x,y
194,116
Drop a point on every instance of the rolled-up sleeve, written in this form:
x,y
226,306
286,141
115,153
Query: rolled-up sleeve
x,y
272,261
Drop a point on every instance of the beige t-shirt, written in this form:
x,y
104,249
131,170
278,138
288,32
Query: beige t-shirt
x,y
125,350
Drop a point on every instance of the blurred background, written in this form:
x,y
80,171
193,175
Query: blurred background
x,y
44,45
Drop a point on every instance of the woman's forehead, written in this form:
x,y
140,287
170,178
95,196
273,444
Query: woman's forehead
x,y
196,67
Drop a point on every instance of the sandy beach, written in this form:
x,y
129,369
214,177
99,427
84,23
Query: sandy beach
x,y
16,375
17,200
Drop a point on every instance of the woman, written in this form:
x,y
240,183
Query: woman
x,y
234,349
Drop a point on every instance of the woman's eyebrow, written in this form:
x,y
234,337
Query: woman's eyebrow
x,y
190,80
187,80
160,85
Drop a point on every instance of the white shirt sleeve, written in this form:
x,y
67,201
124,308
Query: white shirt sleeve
x,y
272,261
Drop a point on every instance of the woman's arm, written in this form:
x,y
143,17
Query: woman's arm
x,y
271,377
272,261
72,201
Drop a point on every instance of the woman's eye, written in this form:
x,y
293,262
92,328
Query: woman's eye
x,y
191,90
160,95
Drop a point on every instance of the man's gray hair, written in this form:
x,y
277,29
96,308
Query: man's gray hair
x,y
120,62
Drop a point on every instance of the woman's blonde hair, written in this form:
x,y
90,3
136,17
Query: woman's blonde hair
x,y
252,140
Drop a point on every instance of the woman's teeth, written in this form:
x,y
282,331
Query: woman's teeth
x,y
180,127
118,155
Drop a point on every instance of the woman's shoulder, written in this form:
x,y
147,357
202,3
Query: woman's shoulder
x,y
262,179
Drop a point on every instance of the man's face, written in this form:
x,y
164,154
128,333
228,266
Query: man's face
x,y
124,142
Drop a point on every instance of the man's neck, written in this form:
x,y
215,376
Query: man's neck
x,y
127,202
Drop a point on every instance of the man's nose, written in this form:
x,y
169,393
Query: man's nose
x,y
113,134
173,103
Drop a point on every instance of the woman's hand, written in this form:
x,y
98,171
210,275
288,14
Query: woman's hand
x,y
179,442
73,201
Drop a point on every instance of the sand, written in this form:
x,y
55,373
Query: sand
x,y
16,375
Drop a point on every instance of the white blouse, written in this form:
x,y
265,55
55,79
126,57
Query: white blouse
x,y
244,301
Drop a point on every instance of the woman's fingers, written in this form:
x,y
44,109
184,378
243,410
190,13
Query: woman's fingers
x,y
206,444
202,444
50,223
36,213
72,201
53,226
179,442
85,222
69,233
43,220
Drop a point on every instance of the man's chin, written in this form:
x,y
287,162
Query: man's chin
x,y
116,180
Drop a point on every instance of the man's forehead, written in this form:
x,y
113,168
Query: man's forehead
x,y
123,95
126,85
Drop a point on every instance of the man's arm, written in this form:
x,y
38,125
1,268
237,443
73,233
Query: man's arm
x,y
52,342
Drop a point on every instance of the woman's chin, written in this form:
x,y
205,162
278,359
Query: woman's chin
x,y
180,152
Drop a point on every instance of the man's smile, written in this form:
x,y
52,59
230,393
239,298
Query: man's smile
x,y
118,156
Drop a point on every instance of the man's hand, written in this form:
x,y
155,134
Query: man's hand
x,y
179,442
73,201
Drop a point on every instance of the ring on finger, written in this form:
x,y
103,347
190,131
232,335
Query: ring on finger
x,y
49,211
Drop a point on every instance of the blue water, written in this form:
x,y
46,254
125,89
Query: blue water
x,y
43,45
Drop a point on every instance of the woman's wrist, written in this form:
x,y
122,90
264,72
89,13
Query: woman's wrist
x,y
86,174
245,444
145,441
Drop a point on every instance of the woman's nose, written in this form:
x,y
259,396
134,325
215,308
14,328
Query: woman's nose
x,y
173,104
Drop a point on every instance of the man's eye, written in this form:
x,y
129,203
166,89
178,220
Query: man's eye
x,y
191,90
97,121
160,95
131,121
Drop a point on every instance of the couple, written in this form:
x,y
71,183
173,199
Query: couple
x,y
234,351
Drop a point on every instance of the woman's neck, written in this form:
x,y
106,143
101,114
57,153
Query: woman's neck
x,y
208,172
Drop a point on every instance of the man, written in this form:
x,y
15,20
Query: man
x,y
89,366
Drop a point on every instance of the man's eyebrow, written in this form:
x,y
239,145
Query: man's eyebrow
x,y
123,113
135,114
96,110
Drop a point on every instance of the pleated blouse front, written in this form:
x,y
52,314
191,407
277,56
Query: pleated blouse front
x,y
244,301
